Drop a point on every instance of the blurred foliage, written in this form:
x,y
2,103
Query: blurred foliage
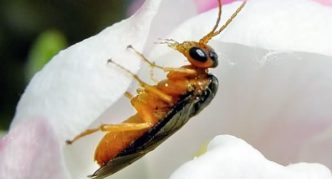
x,y
2,133
46,46
23,21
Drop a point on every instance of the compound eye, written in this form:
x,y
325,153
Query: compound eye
x,y
213,55
198,54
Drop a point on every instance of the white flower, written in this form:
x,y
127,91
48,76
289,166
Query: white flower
x,y
230,157
275,90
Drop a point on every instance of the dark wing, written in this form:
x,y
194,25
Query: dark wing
x,y
188,106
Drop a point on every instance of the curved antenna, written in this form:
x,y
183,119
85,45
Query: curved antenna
x,y
208,36
213,33
230,19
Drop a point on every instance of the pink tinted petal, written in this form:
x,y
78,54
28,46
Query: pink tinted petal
x,y
134,6
325,2
279,103
298,134
283,96
30,151
320,145
205,5
305,25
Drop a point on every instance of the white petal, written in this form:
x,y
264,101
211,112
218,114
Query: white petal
x,y
88,86
78,84
75,88
232,158
31,151
171,14
278,100
300,25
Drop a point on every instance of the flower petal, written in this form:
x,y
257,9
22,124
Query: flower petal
x,y
325,2
167,20
73,90
277,101
78,84
31,151
299,25
204,5
232,158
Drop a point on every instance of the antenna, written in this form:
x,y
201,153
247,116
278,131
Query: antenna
x,y
213,32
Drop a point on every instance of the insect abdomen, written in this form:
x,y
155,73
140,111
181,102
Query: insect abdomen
x,y
189,105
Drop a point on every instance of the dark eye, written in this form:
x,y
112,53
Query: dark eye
x,y
198,54
213,55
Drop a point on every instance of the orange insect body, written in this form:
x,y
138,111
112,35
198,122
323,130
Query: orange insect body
x,y
149,105
163,108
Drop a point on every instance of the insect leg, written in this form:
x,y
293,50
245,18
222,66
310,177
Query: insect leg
x,y
85,133
151,64
133,123
129,95
144,85
154,65
141,82
124,127
111,128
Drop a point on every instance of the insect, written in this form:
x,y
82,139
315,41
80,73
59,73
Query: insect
x,y
163,108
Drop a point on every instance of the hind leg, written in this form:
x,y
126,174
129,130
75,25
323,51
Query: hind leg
x,y
123,127
144,119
